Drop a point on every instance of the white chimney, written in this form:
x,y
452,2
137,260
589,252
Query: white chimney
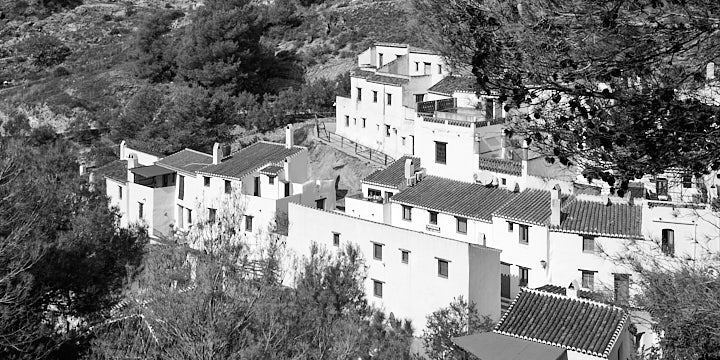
x,y
710,71
217,154
289,140
409,169
555,199
525,156
286,169
122,149
132,161
571,290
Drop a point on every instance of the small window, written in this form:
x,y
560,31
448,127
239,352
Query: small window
x,y
439,69
440,152
377,251
417,66
687,181
374,193
380,60
442,268
389,99
433,217
661,187
375,96
428,68
287,189
622,289
180,217
588,279
387,130
256,186
403,141
189,217
336,239
419,98
524,274
271,180
588,245
364,122
211,215
489,109
228,187
524,235
503,181
378,288
668,242
510,226
181,188
359,94
120,192
404,256
206,181
248,223
347,121
141,210
461,225
320,204
355,121
407,212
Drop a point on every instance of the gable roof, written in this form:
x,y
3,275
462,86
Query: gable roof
x,y
530,206
251,158
454,197
450,84
186,160
601,219
271,170
577,324
494,346
392,176
584,294
377,78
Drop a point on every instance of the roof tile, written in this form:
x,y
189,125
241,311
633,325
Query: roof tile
x,y
596,218
450,84
530,206
186,160
251,158
504,166
394,175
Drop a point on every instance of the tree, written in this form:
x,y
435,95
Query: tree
x,y
63,261
458,319
155,46
44,50
618,87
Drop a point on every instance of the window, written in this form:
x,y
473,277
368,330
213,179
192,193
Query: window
x,y
374,96
417,66
165,180
419,97
403,141
404,256
355,121
380,60
510,226
489,108
271,180
433,217
377,251
668,242
407,212
387,130
189,217
687,181
181,188
347,120
588,245
140,210
427,70
588,279
359,94
389,99
287,189
461,225
120,192
228,187
440,152
524,234
248,223
364,121
256,186
377,288
180,214
206,181
374,193
211,215
503,181
442,268
661,187
524,274
439,69
336,239
622,289
320,204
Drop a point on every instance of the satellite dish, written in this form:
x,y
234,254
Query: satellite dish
x,y
484,177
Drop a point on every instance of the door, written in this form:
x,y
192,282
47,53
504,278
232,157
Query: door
x,y
256,190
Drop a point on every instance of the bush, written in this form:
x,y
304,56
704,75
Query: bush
x,y
61,71
44,50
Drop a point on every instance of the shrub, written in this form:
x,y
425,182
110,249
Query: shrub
x,y
44,50
61,71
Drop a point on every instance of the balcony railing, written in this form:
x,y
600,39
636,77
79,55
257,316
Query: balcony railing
x,y
430,107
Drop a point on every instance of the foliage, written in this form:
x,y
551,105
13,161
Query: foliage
x,y
17,125
458,319
616,86
62,258
44,50
155,46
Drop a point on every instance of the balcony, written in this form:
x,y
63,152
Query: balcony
x,y
430,107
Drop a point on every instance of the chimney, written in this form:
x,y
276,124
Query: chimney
x,y
122,149
571,290
217,154
132,161
289,140
555,205
503,147
82,170
409,169
710,71
525,155
286,169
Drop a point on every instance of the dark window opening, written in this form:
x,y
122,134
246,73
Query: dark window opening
x,y
524,235
211,215
336,239
248,223
461,225
181,188
377,288
442,268
433,217
668,242
377,251
407,213
440,152
228,187
206,181
524,274
404,256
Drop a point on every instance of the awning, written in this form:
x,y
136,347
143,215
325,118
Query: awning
x,y
494,346
151,171
271,170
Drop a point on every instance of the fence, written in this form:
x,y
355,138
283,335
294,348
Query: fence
x,y
346,144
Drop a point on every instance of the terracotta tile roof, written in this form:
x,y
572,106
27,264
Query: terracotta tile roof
x,y
250,159
116,170
494,346
600,219
584,294
454,197
450,84
271,170
392,176
186,160
503,166
530,206
383,79
581,325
